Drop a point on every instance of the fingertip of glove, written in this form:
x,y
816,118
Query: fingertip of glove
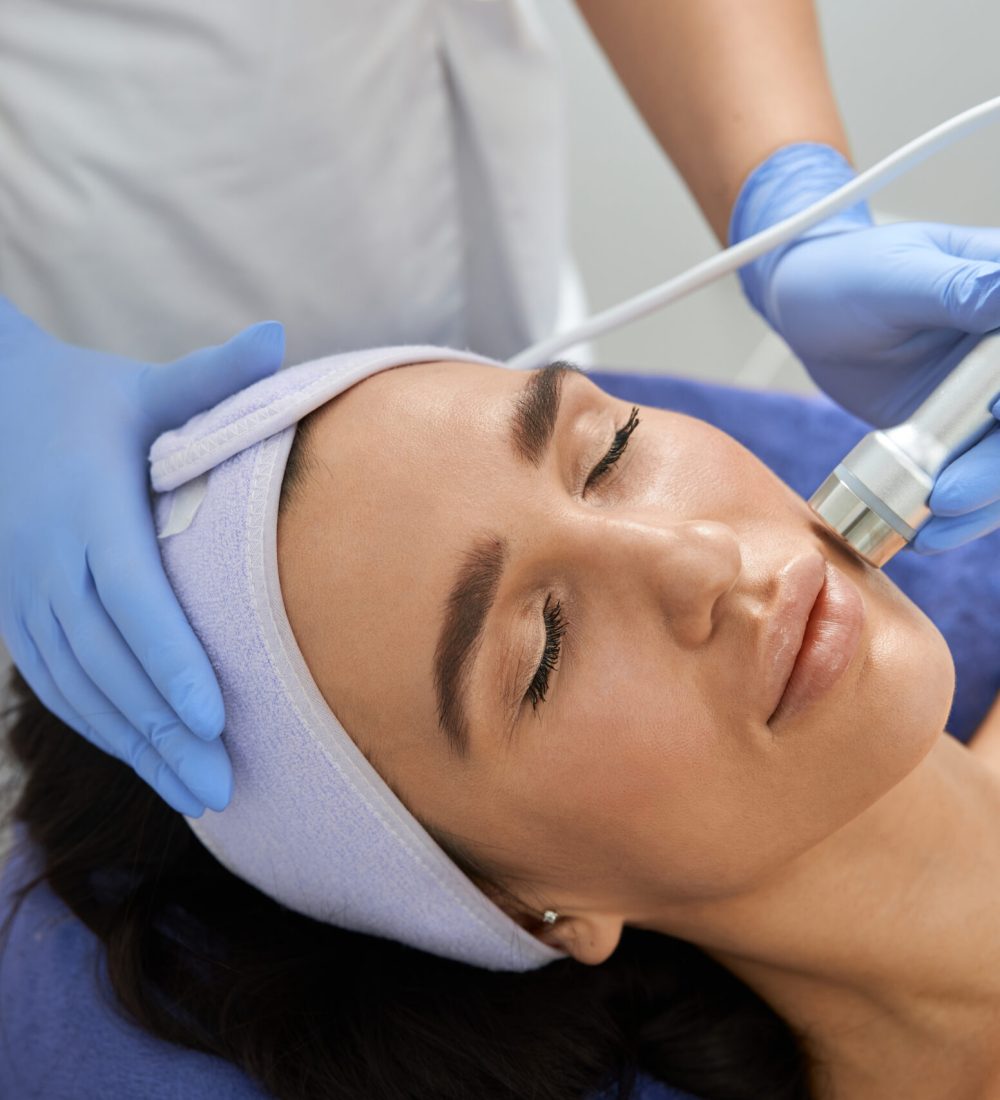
x,y
200,709
210,781
925,550
946,498
933,538
268,339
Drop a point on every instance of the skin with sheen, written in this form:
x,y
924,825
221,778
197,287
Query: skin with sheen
x,y
827,860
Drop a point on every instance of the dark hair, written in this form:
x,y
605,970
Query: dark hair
x,y
199,958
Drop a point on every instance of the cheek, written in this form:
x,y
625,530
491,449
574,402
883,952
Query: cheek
x,y
661,787
649,780
903,692
874,727
694,469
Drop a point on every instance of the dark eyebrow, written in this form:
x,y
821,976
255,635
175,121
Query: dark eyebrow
x,y
468,604
537,410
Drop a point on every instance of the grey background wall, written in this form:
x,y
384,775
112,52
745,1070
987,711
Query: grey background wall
x,y
898,67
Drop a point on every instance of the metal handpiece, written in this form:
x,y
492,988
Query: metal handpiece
x,y
876,498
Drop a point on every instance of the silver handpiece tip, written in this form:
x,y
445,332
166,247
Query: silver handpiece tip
x,y
854,523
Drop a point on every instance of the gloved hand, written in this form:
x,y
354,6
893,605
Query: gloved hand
x,y
878,315
86,609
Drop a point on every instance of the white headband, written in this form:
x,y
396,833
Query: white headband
x,y
311,823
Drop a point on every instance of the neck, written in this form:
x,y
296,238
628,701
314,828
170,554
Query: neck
x,y
882,944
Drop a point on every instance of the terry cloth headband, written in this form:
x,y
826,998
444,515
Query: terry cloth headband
x,y
311,823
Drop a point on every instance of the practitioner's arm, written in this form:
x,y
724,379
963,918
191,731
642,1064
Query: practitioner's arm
x,y
737,94
721,83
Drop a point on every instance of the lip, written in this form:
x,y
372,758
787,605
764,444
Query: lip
x,y
813,636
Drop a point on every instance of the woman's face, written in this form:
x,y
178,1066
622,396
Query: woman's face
x,y
437,558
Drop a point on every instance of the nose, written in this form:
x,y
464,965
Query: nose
x,y
685,567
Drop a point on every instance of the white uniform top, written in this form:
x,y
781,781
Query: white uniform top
x,y
369,172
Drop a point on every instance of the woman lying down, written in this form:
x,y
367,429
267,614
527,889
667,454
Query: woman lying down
x,y
521,803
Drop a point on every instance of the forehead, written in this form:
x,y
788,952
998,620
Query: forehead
x,y
432,392
397,469
385,444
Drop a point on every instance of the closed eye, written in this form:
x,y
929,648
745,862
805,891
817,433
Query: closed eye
x,y
555,628
617,448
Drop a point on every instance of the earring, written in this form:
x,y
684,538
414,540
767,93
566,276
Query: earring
x,y
550,916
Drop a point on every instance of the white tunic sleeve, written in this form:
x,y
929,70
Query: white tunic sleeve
x,y
368,172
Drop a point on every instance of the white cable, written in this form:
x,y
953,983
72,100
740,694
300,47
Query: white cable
x,y
722,263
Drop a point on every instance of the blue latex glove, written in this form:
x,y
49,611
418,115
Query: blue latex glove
x,y
86,609
878,315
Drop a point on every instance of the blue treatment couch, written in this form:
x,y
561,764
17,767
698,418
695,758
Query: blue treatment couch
x,y
60,1041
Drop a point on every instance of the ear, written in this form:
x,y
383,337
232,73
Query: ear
x,y
590,939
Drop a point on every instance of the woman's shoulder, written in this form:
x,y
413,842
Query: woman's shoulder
x,y
61,1034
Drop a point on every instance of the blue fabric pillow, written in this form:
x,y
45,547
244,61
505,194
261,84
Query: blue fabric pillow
x,y
60,1036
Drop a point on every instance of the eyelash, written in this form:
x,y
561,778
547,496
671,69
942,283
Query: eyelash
x,y
617,448
555,628
555,624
